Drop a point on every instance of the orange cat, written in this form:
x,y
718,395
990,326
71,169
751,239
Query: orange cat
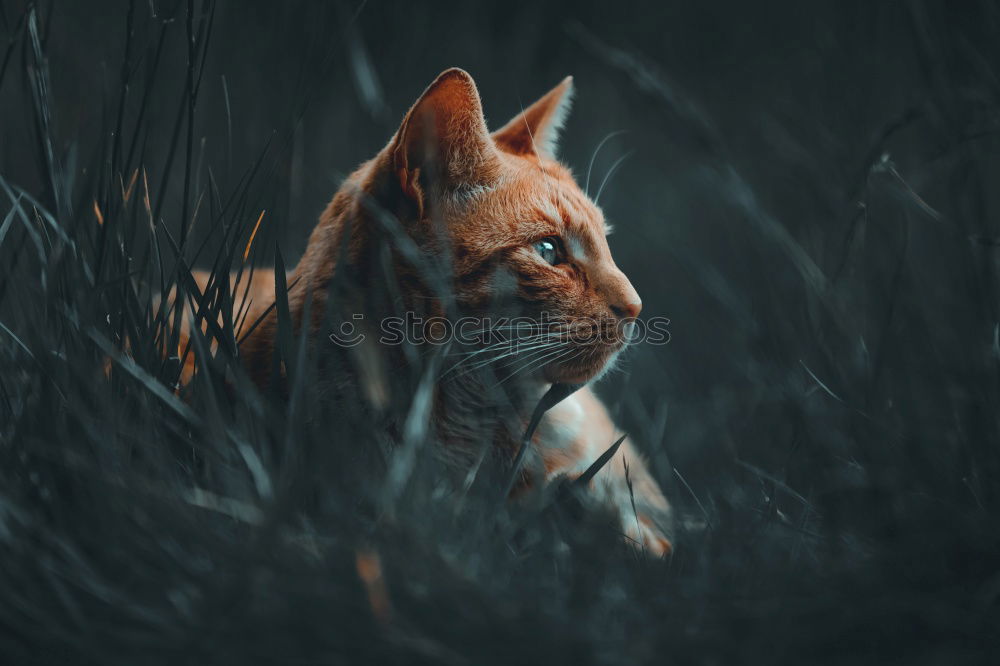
x,y
519,236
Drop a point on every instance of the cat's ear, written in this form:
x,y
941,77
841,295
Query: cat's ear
x,y
443,144
535,131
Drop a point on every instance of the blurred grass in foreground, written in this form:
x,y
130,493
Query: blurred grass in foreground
x,y
850,514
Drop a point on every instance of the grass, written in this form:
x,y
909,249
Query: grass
x,y
847,511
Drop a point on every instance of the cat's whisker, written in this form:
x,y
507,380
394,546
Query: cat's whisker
x,y
536,363
611,172
509,341
504,350
566,357
593,158
465,338
548,326
503,344
539,361
513,352
523,354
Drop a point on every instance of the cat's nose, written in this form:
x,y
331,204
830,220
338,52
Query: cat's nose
x,y
623,299
629,310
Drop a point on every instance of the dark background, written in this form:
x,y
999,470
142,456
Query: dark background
x,y
809,195
751,132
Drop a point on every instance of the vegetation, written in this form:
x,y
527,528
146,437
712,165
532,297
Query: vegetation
x,y
838,501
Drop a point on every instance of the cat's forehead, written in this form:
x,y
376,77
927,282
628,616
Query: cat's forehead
x,y
529,200
551,194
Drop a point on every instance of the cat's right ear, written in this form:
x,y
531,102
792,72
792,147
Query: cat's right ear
x,y
443,145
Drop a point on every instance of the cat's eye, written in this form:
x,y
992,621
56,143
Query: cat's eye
x,y
548,249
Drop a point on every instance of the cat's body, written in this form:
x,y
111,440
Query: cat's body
x,y
516,232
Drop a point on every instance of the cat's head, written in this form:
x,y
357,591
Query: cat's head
x,y
521,230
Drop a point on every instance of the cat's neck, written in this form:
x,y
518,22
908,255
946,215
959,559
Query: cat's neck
x,y
477,406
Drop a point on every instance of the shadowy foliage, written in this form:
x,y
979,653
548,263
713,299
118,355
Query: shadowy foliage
x,y
825,420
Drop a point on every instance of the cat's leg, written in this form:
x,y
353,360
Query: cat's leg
x,y
577,432
625,483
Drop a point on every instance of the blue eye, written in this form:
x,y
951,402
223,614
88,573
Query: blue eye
x,y
548,248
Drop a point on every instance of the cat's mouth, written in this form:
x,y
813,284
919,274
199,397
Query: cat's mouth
x,y
588,363
572,353
594,347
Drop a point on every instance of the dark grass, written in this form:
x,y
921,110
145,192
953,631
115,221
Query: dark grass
x,y
826,423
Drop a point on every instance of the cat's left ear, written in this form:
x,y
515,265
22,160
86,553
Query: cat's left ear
x,y
443,144
535,131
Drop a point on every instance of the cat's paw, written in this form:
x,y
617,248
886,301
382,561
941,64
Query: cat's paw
x,y
644,527
644,534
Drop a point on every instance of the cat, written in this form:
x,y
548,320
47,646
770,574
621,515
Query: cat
x,y
517,235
